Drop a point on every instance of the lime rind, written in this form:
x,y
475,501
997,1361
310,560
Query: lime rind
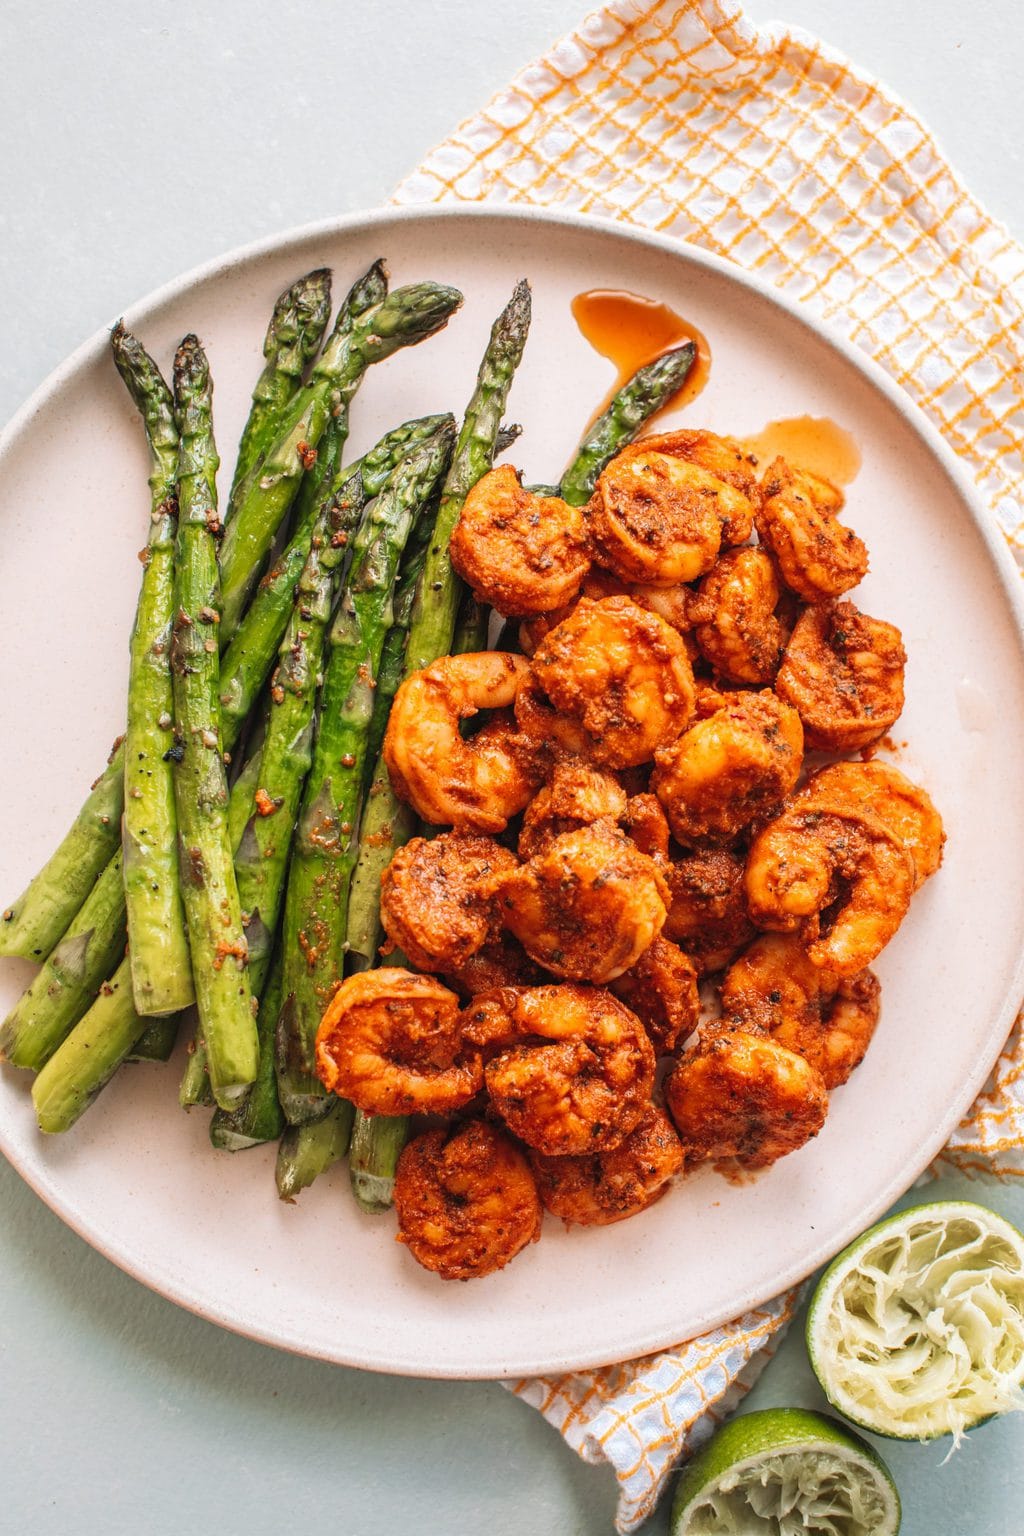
x,y
917,1329
786,1472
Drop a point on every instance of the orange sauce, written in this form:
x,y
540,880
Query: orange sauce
x,y
630,331
810,442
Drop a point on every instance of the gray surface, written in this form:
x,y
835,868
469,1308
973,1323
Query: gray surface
x,y
138,142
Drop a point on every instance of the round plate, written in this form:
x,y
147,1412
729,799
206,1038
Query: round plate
x,y
137,1177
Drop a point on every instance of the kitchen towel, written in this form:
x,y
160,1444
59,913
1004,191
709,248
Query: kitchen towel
x,y
767,147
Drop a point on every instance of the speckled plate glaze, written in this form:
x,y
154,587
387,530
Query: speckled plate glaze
x,y
137,1177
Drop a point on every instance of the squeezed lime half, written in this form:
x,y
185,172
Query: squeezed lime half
x,y
786,1472
917,1329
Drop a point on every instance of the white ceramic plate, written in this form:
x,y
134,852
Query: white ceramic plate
x,y
137,1177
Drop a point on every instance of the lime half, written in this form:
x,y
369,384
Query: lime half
x,y
917,1329
786,1472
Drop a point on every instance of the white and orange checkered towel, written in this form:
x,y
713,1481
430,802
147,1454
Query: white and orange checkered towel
x,y
765,146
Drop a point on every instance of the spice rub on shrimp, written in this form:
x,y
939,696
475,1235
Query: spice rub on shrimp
x,y
523,554
843,672
622,674
578,1072
466,1200
575,795
741,1095
587,906
474,785
664,507
437,897
827,1019
707,915
839,878
595,1189
904,807
661,989
729,768
819,557
733,613
390,1042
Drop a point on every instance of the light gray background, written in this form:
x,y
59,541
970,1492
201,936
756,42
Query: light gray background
x,y
138,142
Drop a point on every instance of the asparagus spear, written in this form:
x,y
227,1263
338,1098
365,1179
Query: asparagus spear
x,y
326,840
405,317
374,1149
295,332
307,1151
259,1119
216,938
161,975
158,1039
633,405
71,975
90,1055
36,921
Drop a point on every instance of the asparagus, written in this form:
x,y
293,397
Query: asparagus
x,y
158,947
405,317
388,823
307,1151
71,976
326,840
36,921
295,332
633,405
90,1055
259,1119
158,1039
216,938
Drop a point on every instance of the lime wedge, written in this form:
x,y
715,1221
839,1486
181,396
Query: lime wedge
x,y
917,1329
785,1472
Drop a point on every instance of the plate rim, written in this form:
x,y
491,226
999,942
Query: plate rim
x,y
1009,583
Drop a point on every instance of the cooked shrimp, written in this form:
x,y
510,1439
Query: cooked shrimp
x,y
585,1087
707,916
843,671
596,1189
829,1020
466,1200
548,734
501,962
818,556
647,826
730,768
736,627
670,603
905,808
575,795
661,989
663,508
519,552
622,674
588,906
843,860
391,1043
743,1095
473,785
437,897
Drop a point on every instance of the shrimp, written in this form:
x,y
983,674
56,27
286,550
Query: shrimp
x,y
818,556
729,768
575,795
588,906
501,962
647,826
547,734
742,1095
829,1020
622,674
391,1043
466,1200
521,553
437,897
707,915
905,808
578,1074
474,785
595,1189
736,628
807,861
661,989
843,672
663,507
670,603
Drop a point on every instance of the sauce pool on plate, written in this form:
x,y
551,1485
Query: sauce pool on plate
x,y
630,331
